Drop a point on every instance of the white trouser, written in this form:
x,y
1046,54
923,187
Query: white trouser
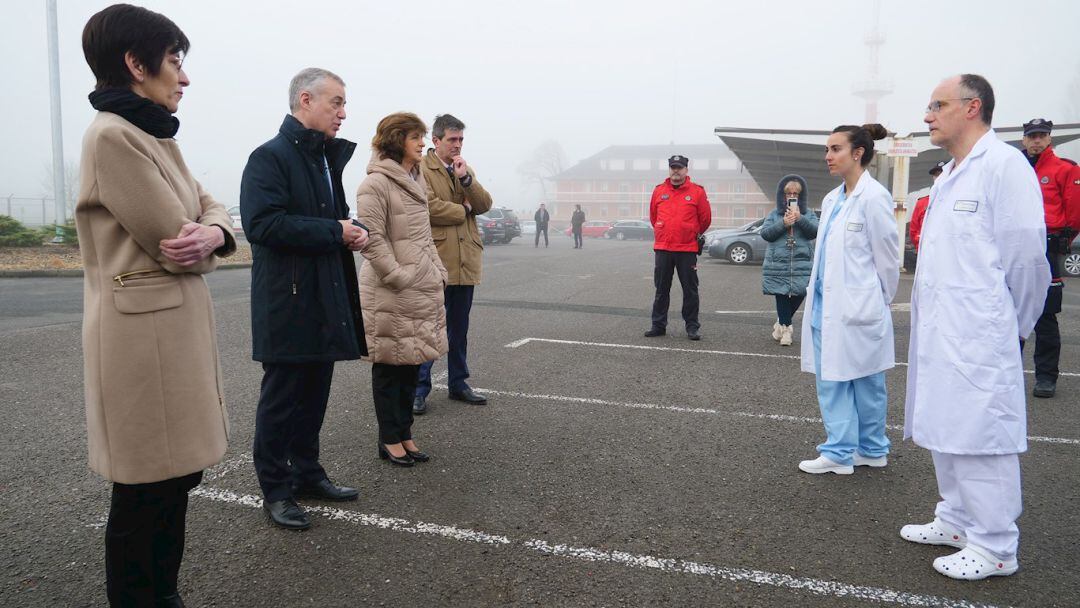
x,y
981,496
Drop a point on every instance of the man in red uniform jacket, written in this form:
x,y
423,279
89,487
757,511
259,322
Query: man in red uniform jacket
x,y
919,212
679,212
1061,206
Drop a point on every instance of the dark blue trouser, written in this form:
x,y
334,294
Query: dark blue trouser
x,y
1048,336
786,307
287,424
667,263
458,299
577,237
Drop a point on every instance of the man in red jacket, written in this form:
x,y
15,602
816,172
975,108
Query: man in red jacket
x,y
918,214
1061,207
679,212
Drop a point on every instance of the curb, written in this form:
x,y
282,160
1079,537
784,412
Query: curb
x,y
77,272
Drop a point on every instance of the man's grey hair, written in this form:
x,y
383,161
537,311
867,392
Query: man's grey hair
x,y
308,80
978,87
444,123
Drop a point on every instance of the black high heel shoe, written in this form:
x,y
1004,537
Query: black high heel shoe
x,y
406,461
418,456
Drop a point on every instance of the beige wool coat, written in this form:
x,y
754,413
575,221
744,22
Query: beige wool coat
x,y
154,405
402,278
454,231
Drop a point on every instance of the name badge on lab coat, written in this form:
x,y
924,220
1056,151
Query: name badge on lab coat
x,y
969,206
854,227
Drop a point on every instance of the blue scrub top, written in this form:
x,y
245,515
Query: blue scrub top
x,y
819,292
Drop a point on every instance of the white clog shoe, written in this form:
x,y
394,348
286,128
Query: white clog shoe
x,y
936,532
821,464
973,564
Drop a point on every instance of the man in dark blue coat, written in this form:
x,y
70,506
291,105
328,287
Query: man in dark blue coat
x,y
305,303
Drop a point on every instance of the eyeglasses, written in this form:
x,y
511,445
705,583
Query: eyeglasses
x,y
935,106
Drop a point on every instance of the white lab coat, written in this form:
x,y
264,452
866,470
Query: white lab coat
x,y
980,286
861,273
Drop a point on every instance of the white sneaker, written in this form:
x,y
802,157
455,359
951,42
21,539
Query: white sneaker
x,y
866,461
971,564
777,331
936,532
785,335
821,464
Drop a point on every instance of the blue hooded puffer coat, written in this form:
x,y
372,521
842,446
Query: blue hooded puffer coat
x,y
788,261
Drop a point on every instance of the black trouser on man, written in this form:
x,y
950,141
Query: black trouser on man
x,y
540,229
578,243
287,424
144,540
1048,336
393,387
667,263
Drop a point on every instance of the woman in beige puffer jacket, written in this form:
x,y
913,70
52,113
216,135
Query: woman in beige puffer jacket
x,y
401,281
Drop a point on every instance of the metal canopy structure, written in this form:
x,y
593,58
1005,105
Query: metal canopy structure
x,y
769,154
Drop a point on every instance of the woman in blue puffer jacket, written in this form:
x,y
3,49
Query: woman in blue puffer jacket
x,y
790,230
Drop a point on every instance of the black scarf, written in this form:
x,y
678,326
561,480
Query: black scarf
x,y
138,110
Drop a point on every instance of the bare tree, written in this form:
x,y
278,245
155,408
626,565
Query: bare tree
x,y
547,161
71,184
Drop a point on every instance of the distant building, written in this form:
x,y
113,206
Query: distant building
x,y
617,182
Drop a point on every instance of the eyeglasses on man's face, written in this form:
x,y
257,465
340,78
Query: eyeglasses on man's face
x,y
936,105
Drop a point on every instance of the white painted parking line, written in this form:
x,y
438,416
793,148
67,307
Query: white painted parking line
x,y
524,341
811,586
700,410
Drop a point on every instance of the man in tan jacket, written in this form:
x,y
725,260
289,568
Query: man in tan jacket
x,y
455,198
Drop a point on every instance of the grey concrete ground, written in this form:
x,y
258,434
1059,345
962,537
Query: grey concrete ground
x,y
598,475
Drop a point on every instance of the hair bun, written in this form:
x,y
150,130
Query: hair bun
x,y
876,130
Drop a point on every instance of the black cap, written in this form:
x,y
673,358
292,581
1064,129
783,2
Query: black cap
x,y
1038,125
678,161
939,167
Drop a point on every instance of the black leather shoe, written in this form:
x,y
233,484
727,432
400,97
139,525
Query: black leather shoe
x,y
656,331
169,601
418,456
325,490
419,406
406,461
1044,389
468,396
287,514
693,335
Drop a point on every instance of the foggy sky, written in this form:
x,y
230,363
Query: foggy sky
x,y
587,74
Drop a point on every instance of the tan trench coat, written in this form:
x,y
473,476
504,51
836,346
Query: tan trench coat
x,y
455,233
402,278
154,406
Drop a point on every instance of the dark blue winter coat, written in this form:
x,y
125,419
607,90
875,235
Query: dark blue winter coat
x,y
305,302
788,262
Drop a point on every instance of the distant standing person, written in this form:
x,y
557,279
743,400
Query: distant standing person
x,y
577,220
855,274
679,212
918,214
789,230
455,198
541,217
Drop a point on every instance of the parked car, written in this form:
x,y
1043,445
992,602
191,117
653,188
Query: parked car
x,y
738,246
491,230
594,229
1072,261
630,229
234,213
528,227
508,220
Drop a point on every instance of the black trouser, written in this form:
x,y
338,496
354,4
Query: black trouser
x,y
540,229
1048,336
287,424
144,540
577,237
393,387
685,263
786,307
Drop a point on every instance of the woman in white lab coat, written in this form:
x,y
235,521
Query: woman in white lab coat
x,y
853,281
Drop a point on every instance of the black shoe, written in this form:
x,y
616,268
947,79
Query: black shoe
x,y
656,331
468,396
417,456
169,601
406,461
287,514
325,490
1044,388
693,335
419,405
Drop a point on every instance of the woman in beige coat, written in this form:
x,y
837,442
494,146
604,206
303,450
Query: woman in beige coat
x,y
401,281
147,233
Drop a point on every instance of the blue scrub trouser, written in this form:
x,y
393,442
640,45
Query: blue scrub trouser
x,y
853,412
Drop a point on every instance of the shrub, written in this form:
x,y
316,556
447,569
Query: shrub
x,y
14,234
71,236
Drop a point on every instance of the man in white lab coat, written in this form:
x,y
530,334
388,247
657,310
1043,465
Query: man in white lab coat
x,y
979,288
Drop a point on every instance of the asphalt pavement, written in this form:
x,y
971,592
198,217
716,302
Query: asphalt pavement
x,y
608,469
